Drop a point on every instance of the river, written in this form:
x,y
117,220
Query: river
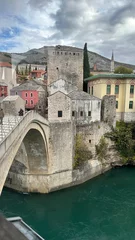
x,y
100,209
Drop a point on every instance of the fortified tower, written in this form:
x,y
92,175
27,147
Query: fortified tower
x,y
65,63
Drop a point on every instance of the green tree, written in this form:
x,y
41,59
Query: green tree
x,y
26,70
29,68
17,71
82,153
123,70
101,149
122,136
86,67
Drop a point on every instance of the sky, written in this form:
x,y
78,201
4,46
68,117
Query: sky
x,y
105,25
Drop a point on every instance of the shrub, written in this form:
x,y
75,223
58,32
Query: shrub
x,y
101,149
82,153
124,143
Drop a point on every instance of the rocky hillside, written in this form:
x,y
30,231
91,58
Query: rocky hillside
x,y
39,56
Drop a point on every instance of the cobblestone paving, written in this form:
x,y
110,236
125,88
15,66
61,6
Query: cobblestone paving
x,y
9,122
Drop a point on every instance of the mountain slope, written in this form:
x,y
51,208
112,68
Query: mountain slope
x,y
39,56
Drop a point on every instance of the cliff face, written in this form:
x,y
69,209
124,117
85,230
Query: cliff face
x,y
39,56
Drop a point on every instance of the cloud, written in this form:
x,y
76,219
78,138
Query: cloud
x,y
104,25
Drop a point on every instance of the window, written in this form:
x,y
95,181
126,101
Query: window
x,y
130,104
116,89
81,113
116,104
108,90
26,94
59,113
31,102
89,90
16,93
57,53
65,53
39,107
31,94
73,113
92,91
89,141
73,53
131,89
61,53
89,113
26,101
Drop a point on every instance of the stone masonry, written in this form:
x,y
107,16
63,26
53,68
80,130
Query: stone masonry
x,y
65,63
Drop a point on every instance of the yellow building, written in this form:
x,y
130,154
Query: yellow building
x,y
121,85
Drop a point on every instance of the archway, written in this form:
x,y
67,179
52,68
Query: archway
x,y
31,158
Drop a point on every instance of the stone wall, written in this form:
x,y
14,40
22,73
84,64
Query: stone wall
x,y
86,106
66,64
61,85
108,110
12,107
61,145
92,134
59,102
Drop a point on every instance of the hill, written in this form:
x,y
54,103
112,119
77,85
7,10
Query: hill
x,y
39,56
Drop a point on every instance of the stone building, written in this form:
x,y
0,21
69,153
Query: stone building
x,y
65,63
61,85
12,105
77,106
59,107
85,108
34,93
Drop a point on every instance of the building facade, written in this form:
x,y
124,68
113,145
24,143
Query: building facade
x,y
3,89
8,75
67,103
120,85
37,74
61,85
85,108
33,94
12,105
65,63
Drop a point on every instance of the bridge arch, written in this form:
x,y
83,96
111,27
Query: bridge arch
x,y
33,131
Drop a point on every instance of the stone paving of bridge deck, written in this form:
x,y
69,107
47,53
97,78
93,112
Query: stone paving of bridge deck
x,y
9,122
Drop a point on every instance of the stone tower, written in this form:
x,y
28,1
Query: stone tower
x,y
65,63
112,63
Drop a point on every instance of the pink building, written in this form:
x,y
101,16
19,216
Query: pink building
x,y
33,93
30,97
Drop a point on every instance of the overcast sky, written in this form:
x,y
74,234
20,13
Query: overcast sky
x,y
103,24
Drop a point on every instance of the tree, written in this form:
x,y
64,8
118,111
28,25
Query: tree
x,y
82,153
17,71
29,68
26,70
123,70
86,67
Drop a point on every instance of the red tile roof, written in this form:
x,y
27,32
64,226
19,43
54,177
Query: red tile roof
x,y
38,71
5,64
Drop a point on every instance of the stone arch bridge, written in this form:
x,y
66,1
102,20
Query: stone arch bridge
x,y
30,134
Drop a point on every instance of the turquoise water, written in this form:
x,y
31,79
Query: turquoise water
x,y
100,209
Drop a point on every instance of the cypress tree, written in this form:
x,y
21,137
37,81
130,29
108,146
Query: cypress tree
x,y
86,67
